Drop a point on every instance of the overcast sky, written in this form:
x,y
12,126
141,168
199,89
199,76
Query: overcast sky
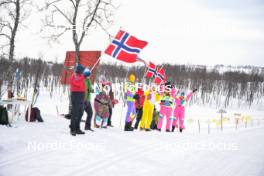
x,y
207,32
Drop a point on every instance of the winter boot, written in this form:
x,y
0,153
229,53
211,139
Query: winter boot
x,y
147,129
167,130
173,128
88,128
128,126
79,132
73,132
181,130
109,123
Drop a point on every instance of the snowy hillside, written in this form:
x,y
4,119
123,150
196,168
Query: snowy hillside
x,y
48,149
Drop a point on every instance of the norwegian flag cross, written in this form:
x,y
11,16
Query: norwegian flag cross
x,y
121,45
125,47
152,70
161,76
158,74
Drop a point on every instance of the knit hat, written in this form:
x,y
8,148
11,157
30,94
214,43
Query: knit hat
x,y
79,69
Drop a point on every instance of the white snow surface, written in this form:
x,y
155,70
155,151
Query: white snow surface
x,y
48,148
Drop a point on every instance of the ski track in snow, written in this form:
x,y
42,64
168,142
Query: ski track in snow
x,y
127,153
142,153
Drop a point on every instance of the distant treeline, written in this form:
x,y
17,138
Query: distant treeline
x,y
32,72
216,85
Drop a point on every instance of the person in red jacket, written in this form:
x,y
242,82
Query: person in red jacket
x,y
77,87
140,98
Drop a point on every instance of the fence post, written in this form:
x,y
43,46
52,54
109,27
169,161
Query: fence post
x,y
221,122
237,123
208,126
246,123
199,127
57,109
237,117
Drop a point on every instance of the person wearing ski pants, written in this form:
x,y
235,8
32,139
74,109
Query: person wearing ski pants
x,y
131,109
151,98
111,95
139,106
101,106
166,109
77,87
179,110
87,103
130,98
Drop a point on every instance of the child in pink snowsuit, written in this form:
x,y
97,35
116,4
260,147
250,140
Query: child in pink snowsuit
x,y
166,108
179,110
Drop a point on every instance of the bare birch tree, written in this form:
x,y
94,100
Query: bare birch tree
x,y
11,16
78,17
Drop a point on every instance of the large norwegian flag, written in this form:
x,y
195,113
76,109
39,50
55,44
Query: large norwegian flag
x,y
125,47
160,77
152,70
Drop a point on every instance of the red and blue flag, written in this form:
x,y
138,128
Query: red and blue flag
x,y
160,76
152,70
125,47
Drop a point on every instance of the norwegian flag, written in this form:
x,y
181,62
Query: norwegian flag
x,y
125,47
160,77
152,70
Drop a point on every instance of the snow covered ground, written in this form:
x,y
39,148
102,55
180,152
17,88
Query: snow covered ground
x,y
48,148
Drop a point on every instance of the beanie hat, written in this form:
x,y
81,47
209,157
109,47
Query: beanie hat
x,y
79,69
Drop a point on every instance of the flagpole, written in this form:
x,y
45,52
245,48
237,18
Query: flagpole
x,y
95,63
123,96
138,59
146,67
111,38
